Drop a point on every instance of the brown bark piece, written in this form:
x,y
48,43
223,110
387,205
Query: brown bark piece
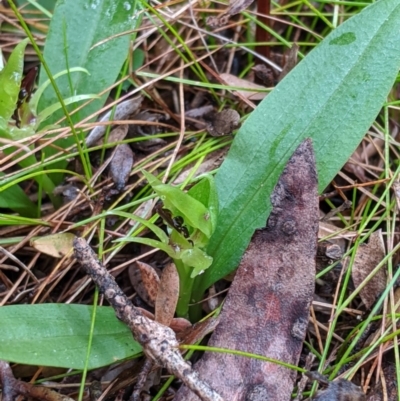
x,y
267,309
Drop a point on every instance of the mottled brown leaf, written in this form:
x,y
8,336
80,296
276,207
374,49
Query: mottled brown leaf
x,y
167,295
368,256
267,309
145,281
121,165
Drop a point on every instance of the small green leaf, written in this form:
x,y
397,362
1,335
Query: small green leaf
x,y
333,97
10,81
197,259
205,192
58,335
180,203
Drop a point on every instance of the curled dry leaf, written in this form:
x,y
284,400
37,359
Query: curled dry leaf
x,y
179,324
56,245
224,123
121,165
198,331
250,94
122,111
116,135
340,390
167,295
145,281
368,256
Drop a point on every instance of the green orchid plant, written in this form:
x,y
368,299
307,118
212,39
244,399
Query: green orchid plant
x,y
192,218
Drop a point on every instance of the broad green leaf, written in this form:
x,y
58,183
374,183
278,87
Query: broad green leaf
x,y
85,34
333,97
180,203
58,334
81,35
10,81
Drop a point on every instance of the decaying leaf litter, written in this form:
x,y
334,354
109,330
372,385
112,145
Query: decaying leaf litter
x,y
58,278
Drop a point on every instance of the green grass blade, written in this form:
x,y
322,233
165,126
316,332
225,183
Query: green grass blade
x,y
332,96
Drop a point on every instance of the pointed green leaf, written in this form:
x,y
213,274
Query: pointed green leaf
x,y
333,97
180,203
10,81
205,192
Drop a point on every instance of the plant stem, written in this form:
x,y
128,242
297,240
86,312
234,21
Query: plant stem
x,y
185,289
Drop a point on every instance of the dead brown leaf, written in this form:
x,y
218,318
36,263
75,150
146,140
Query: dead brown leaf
x,y
224,123
338,390
167,295
368,256
145,281
56,245
250,94
121,165
122,111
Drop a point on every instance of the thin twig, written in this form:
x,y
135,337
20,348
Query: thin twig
x,y
159,342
